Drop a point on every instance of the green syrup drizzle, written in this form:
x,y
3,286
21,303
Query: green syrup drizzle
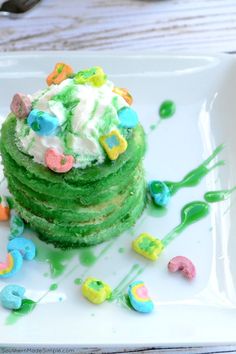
x,y
167,109
190,214
94,110
30,144
67,98
58,260
78,281
115,103
154,210
86,257
26,307
218,196
194,177
124,301
93,259
153,126
53,287
118,294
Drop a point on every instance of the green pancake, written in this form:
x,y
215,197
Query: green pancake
x,y
73,214
101,195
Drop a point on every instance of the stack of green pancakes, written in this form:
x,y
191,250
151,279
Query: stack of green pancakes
x,y
101,195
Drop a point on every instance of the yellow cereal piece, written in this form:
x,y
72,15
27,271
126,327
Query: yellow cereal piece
x,y
95,290
114,144
94,76
148,246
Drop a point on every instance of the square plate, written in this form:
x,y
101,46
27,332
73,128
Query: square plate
x,y
186,313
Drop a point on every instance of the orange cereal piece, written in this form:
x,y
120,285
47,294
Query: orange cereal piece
x,y
4,209
124,93
60,73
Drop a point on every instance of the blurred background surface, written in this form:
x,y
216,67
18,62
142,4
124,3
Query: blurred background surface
x,y
134,25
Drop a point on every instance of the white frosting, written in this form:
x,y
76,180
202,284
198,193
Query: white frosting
x,y
93,114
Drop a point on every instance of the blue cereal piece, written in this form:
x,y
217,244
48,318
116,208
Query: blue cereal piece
x,y
25,247
128,117
16,226
159,192
138,296
42,123
12,265
11,296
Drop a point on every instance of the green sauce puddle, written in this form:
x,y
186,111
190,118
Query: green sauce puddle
x,y
78,281
194,177
154,126
167,109
26,307
53,287
190,214
58,260
124,301
86,256
218,196
154,210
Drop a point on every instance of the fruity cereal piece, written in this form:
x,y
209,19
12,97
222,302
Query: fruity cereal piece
x,y
184,265
139,298
11,296
148,246
4,209
26,247
21,105
114,144
57,162
16,226
42,123
124,93
128,117
12,265
94,76
60,73
159,192
96,291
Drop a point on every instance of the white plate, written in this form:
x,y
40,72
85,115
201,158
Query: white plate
x,y
186,313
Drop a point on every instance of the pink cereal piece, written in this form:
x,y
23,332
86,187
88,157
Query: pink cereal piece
x,y
21,105
142,292
184,265
58,162
7,264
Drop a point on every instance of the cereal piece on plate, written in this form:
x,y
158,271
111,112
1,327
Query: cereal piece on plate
x,y
148,246
95,290
138,296
184,265
11,296
12,265
24,246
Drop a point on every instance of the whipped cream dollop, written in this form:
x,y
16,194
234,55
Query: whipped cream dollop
x,y
85,113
